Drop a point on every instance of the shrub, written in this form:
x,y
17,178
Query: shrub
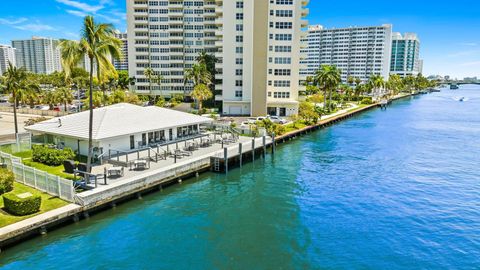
x,y
6,181
280,129
51,157
21,206
367,101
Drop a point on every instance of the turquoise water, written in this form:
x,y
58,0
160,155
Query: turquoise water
x,y
395,189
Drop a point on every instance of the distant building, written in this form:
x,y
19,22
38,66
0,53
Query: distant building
x,y
357,51
406,55
122,63
7,54
38,55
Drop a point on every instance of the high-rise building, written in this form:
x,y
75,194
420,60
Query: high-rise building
x,y
168,36
7,55
122,63
357,51
38,55
257,44
406,55
259,48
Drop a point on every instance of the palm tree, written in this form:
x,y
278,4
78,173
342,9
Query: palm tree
x,y
201,92
15,81
377,83
149,73
198,74
208,60
64,95
328,78
99,44
358,81
394,84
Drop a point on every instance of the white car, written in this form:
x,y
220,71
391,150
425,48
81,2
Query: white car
x,y
42,107
277,120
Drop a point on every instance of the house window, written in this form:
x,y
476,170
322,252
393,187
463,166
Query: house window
x,y
132,142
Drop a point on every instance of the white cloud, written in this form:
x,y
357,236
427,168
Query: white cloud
x,y
109,19
35,27
76,13
470,44
470,64
464,53
12,21
84,6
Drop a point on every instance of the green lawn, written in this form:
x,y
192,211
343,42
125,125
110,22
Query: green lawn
x,y
51,170
48,203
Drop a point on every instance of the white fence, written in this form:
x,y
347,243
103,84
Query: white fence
x,y
38,179
33,111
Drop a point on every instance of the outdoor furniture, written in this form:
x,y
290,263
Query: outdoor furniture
x,y
115,171
69,166
140,164
183,153
82,169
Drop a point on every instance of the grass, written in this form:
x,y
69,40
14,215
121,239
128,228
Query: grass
x,y
58,171
48,203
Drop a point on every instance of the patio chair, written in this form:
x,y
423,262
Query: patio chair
x,y
69,166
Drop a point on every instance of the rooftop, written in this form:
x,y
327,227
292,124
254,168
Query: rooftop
x,y
117,120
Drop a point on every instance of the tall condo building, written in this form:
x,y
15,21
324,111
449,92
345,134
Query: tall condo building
x,y
38,55
122,63
356,51
406,55
167,36
7,55
257,44
259,51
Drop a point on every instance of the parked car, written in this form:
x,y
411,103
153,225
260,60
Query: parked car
x,y
278,120
42,107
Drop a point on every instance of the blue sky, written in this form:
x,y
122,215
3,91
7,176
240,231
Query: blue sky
x,y
449,30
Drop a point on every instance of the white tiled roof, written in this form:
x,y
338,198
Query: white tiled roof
x,y
117,120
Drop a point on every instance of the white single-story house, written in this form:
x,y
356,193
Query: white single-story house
x,y
120,127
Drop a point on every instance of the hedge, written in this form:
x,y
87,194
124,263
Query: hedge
x,y
367,101
51,157
21,206
6,181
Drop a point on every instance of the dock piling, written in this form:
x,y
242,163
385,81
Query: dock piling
x,y
225,157
264,141
253,149
240,153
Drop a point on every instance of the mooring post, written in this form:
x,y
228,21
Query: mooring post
x,y
264,141
240,153
225,157
273,143
253,149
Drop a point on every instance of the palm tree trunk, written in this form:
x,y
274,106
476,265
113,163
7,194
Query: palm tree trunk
x,y
325,99
199,106
14,94
90,122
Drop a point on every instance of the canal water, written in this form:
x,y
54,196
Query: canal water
x,y
394,189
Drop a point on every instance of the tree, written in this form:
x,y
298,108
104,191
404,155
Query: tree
x,y
358,81
198,74
124,80
328,78
209,60
149,73
201,92
15,80
350,80
394,84
99,44
306,112
64,96
377,83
